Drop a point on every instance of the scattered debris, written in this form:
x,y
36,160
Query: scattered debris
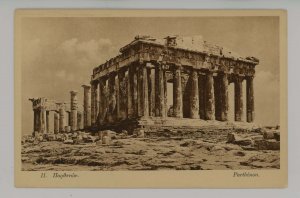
x,y
268,135
236,139
204,149
267,144
68,141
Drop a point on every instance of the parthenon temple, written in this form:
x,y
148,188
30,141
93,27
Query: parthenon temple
x,y
130,91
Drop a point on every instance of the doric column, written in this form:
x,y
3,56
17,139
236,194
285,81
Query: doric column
x,y
102,107
35,117
238,98
38,120
209,97
111,98
73,114
56,122
145,92
69,118
87,105
140,90
165,91
128,80
221,96
97,101
42,120
151,90
47,122
218,99
224,96
160,91
194,97
143,105
117,92
93,102
61,118
79,120
202,83
177,93
250,99
135,89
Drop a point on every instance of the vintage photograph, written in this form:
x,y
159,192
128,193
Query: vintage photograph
x,y
150,93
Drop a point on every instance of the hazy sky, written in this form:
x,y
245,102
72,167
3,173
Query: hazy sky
x,y
58,54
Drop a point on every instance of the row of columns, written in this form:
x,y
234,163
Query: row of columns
x,y
75,121
42,123
41,117
146,94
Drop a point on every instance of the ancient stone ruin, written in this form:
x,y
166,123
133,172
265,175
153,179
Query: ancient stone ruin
x,y
67,116
130,90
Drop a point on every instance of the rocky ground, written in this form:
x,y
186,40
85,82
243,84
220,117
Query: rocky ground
x,y
204,150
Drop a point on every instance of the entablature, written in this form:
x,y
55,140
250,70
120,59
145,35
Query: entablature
x,y
141,51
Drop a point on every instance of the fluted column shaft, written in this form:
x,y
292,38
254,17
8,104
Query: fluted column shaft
x,y
94,86
202,84
209,97
87,105
102,100
177,93
47,122
79,120
160,89
250,99
194,97
56,122
151,90
238,99
128,79
165,90
38,120
111,98
61,120
69,119
143,105
73,113
117,92
42,121
135,90
224,96
145,92
35,122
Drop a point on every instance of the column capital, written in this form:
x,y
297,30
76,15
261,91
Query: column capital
x,y
210,72
60,103
250,77
222,73
141,61
73,92
177,66
164,66
160,64
95,81
86,86
150,65
194,72
238,77
112,74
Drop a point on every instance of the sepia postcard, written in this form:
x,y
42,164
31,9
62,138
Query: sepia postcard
x,y
151,98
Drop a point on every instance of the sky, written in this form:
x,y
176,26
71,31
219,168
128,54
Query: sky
x,y
59,53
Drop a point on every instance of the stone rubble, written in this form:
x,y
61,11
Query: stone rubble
x,y
267,140
108,150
